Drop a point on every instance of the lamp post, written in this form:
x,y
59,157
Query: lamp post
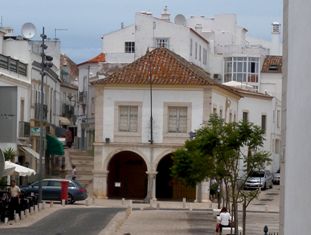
x,y
46,62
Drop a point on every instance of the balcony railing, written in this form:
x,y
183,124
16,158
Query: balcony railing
x,y
8,63
37,111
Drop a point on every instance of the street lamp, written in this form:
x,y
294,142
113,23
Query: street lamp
x,y
46,63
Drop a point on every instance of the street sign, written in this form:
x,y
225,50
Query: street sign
x,y
35,131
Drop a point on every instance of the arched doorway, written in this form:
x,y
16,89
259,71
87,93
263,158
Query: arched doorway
x,y
168,188
127,176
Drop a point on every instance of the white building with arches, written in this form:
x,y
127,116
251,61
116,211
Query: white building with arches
x,y
132,157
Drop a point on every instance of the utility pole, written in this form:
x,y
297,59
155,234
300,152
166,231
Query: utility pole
x,y
46,63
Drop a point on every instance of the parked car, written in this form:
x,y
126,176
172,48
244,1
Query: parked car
x,y
259,179
276,177
51,190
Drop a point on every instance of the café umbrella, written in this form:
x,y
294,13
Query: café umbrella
x,y
11,168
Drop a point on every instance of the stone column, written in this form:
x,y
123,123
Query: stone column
x,y
151,185
100,183
205,193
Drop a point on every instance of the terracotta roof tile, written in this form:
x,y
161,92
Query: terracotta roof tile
x,y
272,64
166,68
99,58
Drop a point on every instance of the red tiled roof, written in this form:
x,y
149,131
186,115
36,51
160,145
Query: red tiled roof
x,y
96,59
272,64
166,68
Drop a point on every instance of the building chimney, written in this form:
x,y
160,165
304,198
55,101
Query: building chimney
x,y
276,39
165,15
122,25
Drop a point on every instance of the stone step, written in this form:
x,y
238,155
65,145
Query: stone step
x,y
82,162
84,168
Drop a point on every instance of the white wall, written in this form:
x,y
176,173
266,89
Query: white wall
x,y
272,83
295,168
195,97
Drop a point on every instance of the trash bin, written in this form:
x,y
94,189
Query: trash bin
x,y
64,190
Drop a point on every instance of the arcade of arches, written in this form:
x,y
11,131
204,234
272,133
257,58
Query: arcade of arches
x,y
127,178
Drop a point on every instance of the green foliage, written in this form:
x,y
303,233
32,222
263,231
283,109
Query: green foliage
x,y
217,151
9,154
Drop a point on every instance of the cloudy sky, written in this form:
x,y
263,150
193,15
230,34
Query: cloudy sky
x,y
86,21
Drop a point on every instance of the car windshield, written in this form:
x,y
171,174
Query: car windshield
x,y
77,183
257,174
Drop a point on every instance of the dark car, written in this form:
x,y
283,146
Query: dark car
x,y
51,190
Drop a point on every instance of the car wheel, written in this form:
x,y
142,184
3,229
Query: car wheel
x,y
69,199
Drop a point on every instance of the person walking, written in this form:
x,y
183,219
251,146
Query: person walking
x,y
224,218
74,172
14,200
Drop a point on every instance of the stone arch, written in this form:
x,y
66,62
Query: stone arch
x,y
127,176
116,151
167,187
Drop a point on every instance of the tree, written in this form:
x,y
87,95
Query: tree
x,y
220,150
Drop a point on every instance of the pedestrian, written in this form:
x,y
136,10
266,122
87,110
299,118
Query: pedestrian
x,y
224,218
14,200
73,172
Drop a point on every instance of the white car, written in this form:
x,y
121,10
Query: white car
x,y
259,179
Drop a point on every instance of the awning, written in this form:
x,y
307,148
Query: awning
x,y
54,146
64,121
13,168
30,152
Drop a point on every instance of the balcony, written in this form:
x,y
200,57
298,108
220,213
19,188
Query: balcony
x,y
83,97
24,129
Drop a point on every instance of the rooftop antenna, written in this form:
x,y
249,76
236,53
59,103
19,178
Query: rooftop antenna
x,y
55,30
1,22
28,30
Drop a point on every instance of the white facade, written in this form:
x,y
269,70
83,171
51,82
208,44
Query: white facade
x,y
198,102
147,32
295,169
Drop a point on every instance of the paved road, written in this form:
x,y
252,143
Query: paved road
x,y
77,221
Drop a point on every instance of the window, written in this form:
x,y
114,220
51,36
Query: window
x,y
230,117
128,118
204,56
196,51
177,119
129,47
245,117
191,42
277,146
241,69
220,113
214,110
162,42
200,53
278,118
264,123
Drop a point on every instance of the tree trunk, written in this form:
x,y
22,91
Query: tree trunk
x,y
244,215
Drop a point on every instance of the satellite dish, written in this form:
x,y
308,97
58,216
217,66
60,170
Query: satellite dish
x,y
28,30
180,20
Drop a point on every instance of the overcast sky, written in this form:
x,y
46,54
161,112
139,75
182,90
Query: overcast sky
x,y
87,20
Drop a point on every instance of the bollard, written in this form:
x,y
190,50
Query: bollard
x,y
6,220
22,215
63,202
184,203
190,207
123,201
130,203
265,229
16,217
51,203
87,202
26,213
43,204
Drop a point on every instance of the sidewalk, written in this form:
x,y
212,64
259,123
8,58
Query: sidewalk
x,y
166,217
